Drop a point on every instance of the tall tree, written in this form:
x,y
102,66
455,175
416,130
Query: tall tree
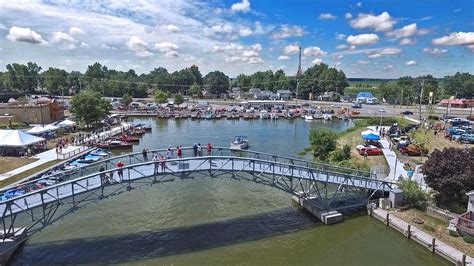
x,y
461,85
89,107
55,80
323,142
196,73
216,82
161,96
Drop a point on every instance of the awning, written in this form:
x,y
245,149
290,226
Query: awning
x,y
17,138
367,132
67,123
371,137
37,130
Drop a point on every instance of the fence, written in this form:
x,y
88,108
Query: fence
x,y
67,155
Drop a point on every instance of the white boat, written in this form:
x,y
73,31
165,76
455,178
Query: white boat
x,y
264,114
327,116
239,143
318,116
308,117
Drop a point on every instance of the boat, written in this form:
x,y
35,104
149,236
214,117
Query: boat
x,y
127,138
114,144
327,116
308,117
264,114
208,116
99,152
147,128
239,143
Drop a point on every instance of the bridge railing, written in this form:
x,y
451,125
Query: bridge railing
x,y
137,157
143,170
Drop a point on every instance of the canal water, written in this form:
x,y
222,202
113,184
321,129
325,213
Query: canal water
x,y
218,221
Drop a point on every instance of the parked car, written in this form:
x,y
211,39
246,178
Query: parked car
x,y
370,151
413,150
356,106
467,138
406,113
359,147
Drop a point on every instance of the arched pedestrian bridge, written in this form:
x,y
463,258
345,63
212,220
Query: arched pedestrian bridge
x,y
335,187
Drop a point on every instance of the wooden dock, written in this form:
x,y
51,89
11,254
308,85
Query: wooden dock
x,y
436,246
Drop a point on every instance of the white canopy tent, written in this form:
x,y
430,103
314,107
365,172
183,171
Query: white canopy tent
x,y
367,132
67,123
37,130
51,127
17,138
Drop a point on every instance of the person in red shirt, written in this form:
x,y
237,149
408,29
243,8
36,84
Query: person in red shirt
x,y
180,152
120,166
209,149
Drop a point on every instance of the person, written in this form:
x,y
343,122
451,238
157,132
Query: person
x,y
195,149
199,149
169,153
145,155
163,163
102,175
209,149
156,164
180,152
365,155
120,166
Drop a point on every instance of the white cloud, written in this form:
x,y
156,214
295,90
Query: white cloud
x,y
143,54
256,47
171,54
435,51
348,15
166,47
76,31
327,16
317,61
382,22
218,29
410,63
291,49
139,46
170,28
407,41
363,39
228,47
340,36
456,38
63,39
84,44
108,47
342,47
249,53
383,51
337,57
313,51
245,32
359,4
360,62
286,31
2,27
243,6
407,31
283,57
376,55
27,35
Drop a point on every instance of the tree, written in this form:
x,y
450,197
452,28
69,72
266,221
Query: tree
x,y
178,99
195,89
413,194
339,155
55,80
89,107
127,99
216,82
451,173
161,96
461,85
323,142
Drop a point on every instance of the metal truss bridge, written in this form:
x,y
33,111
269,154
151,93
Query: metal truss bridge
x,y
335,187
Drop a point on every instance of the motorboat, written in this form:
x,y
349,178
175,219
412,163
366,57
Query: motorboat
x,y
240,143
115,144
127,138
327,116
99,152
264,114
308,117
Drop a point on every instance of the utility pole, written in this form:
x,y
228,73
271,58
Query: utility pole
x,y
401,98
298,76
421,97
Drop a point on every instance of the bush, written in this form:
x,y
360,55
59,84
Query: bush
x,y
414,196
468,239
453,233
340,155
323,142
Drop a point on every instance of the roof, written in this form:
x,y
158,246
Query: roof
x,y
365,94
470,193
17,138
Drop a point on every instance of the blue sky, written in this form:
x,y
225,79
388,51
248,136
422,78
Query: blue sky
x,y
374,39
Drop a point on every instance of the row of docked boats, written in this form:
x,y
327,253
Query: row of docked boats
x,y
127,139
325,116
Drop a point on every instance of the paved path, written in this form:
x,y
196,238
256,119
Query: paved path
x,y
441,248
396,166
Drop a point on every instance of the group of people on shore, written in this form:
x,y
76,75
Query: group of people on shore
x,y
158,159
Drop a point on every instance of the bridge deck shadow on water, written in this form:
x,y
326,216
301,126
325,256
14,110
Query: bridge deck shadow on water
x,y
171,241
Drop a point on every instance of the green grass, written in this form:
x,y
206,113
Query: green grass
x,y
27,173
354,91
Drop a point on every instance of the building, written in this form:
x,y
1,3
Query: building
x,y
38,111
285,95
459,103
366,97
329,96
265,104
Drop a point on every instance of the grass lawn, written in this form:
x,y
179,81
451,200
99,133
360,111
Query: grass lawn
x,y
9,163
27,173
435,227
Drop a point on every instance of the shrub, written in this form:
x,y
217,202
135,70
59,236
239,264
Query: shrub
x,y
453,233
468,239
340,155
414,196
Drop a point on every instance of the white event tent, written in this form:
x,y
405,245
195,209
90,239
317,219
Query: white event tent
x,y
67,123
37,130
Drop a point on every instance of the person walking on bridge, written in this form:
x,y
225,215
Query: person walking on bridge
x,y
145,155
195,150
169,153
209,149
163,163
156,164
180,152
120,166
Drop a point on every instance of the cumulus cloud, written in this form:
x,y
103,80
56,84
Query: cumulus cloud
x,y
348,15
218,29
313,51
170,28
286,31
363,39
228,47
283,57
291,49
407,31
360,62
76,31
342,47
243,6
63,39
383,22
245,32
317,61
456,38
327,16
435,51
407,41
410,63
340,36
139,46
166,47
171,54
27,35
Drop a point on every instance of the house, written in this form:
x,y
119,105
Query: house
x,y
465,222
270,95
366,97
208,95
329,96
346,99
284,95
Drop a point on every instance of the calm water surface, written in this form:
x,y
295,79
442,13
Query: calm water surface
x,y
219,221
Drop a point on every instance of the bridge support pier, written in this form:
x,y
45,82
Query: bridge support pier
x,y
313,206
10,242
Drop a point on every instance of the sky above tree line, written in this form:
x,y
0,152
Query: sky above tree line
x,y
372,39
